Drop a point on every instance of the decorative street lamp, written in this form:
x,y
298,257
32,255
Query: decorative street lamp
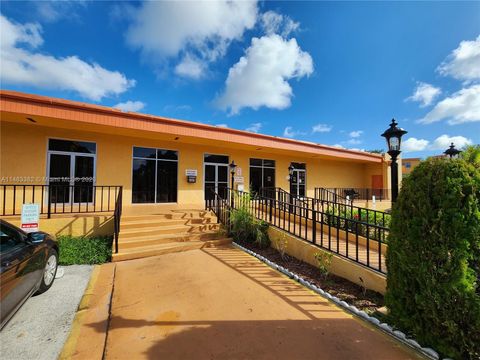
x,y
452,152
394,138
232,167
290,176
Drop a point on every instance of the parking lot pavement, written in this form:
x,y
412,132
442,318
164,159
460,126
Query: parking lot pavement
x,y
39,329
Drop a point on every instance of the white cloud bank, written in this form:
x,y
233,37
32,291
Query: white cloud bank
x,y
425,94
260,78
440,143
355,134
198,32
255,127
22,65
461,107
464,62
130,106
321,128
275,23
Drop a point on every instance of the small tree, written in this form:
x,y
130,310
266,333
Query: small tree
x,y
433,257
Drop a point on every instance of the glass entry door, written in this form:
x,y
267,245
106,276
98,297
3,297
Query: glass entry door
x,y
66,170
216,176
71,170
299,180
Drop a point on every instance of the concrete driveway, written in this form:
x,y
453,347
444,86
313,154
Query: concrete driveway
x,y
39,329
221,303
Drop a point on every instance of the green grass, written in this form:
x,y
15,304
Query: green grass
x,y
76,250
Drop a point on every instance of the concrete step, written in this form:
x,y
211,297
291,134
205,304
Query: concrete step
x,y
137,224
184,214
171,229
146,240
160,249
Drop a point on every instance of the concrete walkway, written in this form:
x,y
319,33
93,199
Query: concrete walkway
x,y
221,303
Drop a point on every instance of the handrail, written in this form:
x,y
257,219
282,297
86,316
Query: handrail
x,y
117,214
358,193
316,223
329,195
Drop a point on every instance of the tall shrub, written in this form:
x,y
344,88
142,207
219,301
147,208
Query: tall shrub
x,y
433,257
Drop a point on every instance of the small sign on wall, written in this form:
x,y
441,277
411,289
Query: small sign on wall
x,y
239,171
30,217
191,172
238,179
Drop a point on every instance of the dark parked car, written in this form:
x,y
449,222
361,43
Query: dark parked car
x,y
28,266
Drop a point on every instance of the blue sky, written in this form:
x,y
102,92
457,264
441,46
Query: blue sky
x,y
329,72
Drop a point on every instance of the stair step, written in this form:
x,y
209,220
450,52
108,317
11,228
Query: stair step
x,y
170,215
129,224
172,229
160,249
125,243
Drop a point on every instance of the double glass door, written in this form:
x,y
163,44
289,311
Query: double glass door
x,y
216,176
66,170
298,183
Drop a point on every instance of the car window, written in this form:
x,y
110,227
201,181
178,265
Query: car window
x,y
9,239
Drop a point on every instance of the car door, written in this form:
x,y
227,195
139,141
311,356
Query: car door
x,y
21,268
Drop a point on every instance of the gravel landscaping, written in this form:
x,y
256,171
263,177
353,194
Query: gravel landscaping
x,y
41,326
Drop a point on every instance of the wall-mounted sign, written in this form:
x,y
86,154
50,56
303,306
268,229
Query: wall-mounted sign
x,y
191,179
239,171
238,179
30,217
191,172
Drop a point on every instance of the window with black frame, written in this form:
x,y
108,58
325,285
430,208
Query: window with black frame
x,y
262,174
155,174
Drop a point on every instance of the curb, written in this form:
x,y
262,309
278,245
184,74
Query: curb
x,y
384,327
85,342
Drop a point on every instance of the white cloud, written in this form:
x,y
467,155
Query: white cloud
x,y
440,143
200,29
190,67
51,11
255,127
130,106
339,146
354,141
321,128
288,132
274,23
464,62
425,94
355,134
444,141
222,125
260,78
414,144
461,107
24,66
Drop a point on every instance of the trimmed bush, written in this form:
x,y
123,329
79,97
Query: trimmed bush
x,y
433,257
75,250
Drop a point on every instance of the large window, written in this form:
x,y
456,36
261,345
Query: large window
x,y
154,175
71,170
262,174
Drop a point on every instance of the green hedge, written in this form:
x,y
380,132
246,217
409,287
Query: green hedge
x,y
84,250
433,257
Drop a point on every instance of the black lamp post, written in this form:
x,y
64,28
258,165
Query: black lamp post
x,y
452,152
394,138
232,166
290,176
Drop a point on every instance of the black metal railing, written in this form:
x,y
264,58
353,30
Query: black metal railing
x,y
314,221
353,193
329,195
64,199
117,214
58,199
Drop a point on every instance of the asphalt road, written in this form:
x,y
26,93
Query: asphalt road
x,y
39,329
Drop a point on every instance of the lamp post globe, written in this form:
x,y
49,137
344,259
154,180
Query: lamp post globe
x,y
452,151
393,135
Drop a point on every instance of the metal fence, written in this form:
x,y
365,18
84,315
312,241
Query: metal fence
x,y
345,230
332,194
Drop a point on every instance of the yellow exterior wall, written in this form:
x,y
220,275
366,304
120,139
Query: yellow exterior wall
x,y
413,163
340,266
76,225
24,154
